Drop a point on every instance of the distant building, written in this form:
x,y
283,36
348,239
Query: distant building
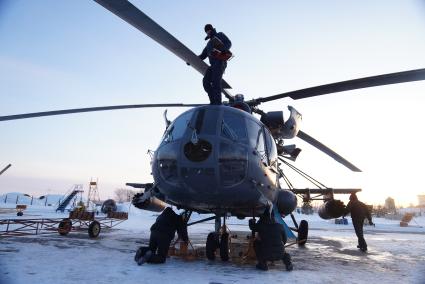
x,y
390,204
421,200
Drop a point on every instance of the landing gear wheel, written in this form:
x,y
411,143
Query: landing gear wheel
x,y
212,245
94,229
20,214
302,232
64,227
224,247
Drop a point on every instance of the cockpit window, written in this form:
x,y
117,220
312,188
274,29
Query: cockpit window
x,y
233,127
260,147
205,121
256,139
271,148
177,129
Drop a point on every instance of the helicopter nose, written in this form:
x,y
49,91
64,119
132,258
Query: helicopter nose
x,y
199,182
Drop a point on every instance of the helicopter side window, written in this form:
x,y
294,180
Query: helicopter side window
x,y
177,129
271,148
233,127
256,139
261,147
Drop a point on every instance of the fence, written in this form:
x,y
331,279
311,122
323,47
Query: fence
x,y
10,198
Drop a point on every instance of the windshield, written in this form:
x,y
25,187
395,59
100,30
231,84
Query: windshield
x,y
205,121
233,127
178,128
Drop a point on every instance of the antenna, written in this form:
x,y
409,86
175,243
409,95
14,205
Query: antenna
x,y
93,194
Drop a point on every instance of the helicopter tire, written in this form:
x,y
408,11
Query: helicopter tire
x,y
20,214
64,227
224,247
302,232
212,245
94,229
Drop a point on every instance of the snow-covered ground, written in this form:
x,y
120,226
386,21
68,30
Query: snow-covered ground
x,y
396,255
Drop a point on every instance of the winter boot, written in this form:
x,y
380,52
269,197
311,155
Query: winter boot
x,y
262,266
144,258
287,261
140,252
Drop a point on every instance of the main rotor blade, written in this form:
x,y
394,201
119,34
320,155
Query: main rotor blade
x,y
373,81
132,15
89,109
325,190
307,138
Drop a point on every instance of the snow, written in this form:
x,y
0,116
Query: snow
x,y
396,254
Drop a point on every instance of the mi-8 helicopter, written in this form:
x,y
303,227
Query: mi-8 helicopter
x,y
223,160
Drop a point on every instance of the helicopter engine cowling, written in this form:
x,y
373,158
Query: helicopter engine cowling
x,y
148,203
331,209
286,202
292,125
274,122
278,127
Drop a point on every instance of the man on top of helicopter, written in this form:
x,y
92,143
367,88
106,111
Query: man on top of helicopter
x,y
217,51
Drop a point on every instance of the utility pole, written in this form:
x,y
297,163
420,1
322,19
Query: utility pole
x,y
5,169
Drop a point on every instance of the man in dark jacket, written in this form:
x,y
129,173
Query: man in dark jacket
x,y
162,233
269,244
359,212
217,51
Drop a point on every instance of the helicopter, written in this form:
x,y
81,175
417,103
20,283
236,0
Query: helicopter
x,y
222,159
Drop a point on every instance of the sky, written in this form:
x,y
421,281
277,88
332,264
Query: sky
x,y
70,54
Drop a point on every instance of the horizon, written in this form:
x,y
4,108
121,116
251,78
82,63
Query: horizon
x,y
315,203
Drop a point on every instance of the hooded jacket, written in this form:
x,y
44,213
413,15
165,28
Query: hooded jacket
x,y
357,209
271,236
217,41
168,223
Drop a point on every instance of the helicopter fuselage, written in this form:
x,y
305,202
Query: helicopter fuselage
x,y
219,159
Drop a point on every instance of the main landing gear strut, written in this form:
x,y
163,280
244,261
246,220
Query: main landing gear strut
x,y
220,238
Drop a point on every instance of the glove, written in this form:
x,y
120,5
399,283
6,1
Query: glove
x,y
136,196
251,222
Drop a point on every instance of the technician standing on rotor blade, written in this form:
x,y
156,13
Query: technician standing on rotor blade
x,y
217,51
359,212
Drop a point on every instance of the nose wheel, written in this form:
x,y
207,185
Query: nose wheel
x,y
302,233
213,242
224,246
218,240
302,230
